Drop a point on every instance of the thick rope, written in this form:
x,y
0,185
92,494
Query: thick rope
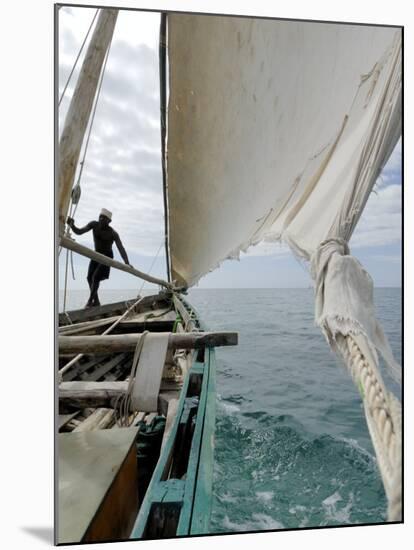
x,y
383,415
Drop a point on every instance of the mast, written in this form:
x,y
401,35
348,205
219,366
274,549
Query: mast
x,y
163,107
80,109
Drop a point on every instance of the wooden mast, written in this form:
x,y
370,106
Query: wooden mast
x,y
80,109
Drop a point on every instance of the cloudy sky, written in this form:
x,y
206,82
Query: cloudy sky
x,y
122,171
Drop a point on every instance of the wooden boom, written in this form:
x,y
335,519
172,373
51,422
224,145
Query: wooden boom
x,y
128,342
105,260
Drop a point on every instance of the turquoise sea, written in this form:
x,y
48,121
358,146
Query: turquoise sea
x,y
292,447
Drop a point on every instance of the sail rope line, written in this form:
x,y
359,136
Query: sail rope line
x,y
76,191
77,58
383,416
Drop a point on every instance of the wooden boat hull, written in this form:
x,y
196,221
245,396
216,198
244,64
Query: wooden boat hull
x,y
177,501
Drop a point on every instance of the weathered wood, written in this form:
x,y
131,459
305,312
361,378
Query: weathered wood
x,y
65,418
104,394
105,260
106,367
75,316
171,414
72,424
87,325
98,420
80,108
164,400
91,394
189,321
107,331
128,342
79,368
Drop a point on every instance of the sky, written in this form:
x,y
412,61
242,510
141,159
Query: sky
x,y
122,173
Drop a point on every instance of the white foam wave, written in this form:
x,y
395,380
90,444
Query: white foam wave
x,y
259,522
265,496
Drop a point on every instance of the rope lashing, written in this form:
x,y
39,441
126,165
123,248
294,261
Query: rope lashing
x,y
123,402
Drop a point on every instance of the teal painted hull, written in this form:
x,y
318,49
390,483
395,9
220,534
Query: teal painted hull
x,y
181,505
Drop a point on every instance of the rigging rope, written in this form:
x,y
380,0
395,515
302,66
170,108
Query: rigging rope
x,y
77,58
76,191
383,415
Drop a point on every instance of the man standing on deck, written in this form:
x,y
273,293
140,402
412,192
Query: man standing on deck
x,y
104,237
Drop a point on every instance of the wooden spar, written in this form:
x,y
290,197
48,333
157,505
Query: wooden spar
x,y
105,260
80,109
86,325
128,342
91,394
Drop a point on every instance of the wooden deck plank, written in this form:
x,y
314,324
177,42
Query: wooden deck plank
x,y
106,367
98,420
80,368
63,419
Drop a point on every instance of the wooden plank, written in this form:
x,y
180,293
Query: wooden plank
x,y
164,400
87,325
117,513
90,394
98,420
65,418
90,466
200,519
128,342
103,394
80,368
171,414
160,470
183,527
148,303
106,367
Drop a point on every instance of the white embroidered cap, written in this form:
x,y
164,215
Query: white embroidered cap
x,y
105,212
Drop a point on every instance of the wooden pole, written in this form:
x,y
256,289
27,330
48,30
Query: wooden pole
x,y
105,260
127,342
91,394
80,109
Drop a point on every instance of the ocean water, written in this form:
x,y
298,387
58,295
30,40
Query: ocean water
x,y
291,446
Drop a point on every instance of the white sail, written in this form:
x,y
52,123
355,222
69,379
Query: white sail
x,y
279,130
276,129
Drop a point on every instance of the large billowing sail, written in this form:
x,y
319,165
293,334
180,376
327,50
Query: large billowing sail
x,y
276,129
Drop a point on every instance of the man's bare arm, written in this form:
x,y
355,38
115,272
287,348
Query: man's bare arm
x,y
79,230
121,249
